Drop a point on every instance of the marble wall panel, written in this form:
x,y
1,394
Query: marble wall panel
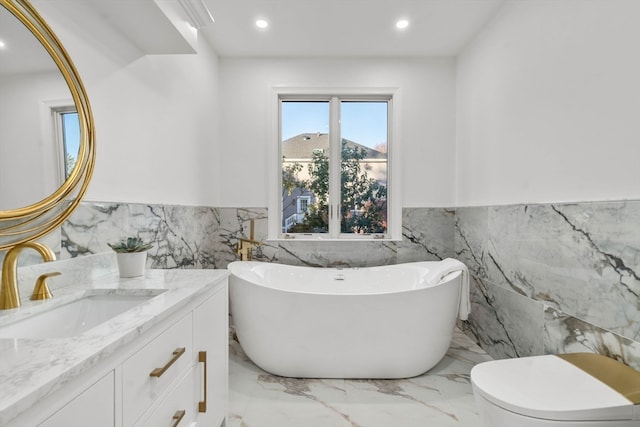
x,y
578,259
470,238
201,237
504,322
566,334
183,236
330,254
235,223
427,235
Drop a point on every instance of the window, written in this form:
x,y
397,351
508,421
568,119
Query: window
x,y
67,136
70,133
334,166
303,204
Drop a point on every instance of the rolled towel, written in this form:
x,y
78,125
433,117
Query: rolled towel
x,y
448,266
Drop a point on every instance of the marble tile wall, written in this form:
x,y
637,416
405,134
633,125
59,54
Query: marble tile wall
x,y
546,278
420,242
553,278
199,237
184,236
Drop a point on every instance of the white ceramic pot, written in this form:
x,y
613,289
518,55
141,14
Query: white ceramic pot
x,y
131,264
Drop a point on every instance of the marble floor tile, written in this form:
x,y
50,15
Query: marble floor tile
x,y
440,398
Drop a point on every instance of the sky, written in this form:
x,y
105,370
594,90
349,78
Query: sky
x,y
362,122
71,133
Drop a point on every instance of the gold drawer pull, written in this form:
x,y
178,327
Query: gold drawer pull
x,y
178,416
202,358
176,355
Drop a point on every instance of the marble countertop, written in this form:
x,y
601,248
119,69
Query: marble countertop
x,y
31,369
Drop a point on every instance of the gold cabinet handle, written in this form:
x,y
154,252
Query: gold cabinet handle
x,y
202,358
178,416
176,355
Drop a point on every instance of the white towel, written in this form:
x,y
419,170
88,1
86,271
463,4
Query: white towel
x,y
448,266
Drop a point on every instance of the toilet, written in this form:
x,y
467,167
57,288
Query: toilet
x,y
569,390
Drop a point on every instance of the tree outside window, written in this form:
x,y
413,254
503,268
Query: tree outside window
x,y
70,139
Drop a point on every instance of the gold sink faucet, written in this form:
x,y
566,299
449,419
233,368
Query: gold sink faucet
x,y
9,296
245,246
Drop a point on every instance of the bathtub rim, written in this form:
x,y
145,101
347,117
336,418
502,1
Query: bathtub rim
x,y
444,281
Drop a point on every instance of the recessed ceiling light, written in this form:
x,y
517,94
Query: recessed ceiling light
x,y
401,24
2,45
261,23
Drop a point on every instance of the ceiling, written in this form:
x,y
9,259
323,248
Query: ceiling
x,y
345,28
297,28
18,40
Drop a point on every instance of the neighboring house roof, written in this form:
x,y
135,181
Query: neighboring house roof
x,y
303,146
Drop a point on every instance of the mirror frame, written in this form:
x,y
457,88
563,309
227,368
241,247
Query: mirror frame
x,y
34,221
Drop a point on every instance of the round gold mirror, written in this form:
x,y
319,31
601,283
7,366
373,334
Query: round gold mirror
x,y
41,181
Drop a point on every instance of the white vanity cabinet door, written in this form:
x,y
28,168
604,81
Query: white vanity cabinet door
x,y
211,335
177,409
139,389
93,407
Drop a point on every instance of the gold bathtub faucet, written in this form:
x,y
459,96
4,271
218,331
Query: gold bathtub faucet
x,y
9,295
245,246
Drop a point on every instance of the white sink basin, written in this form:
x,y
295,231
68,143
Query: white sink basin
x,y
73,318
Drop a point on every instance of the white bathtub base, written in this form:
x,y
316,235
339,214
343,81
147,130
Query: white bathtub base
x,y
316,335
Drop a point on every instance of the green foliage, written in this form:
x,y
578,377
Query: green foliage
x,y
363,200
289,178
319,183
130,244
317,219
71,163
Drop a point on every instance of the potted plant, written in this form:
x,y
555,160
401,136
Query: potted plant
x,y
131,254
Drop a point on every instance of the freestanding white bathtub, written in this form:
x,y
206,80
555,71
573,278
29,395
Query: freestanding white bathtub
x,y
394,321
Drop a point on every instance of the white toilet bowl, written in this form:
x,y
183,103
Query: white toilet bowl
x,y
575,390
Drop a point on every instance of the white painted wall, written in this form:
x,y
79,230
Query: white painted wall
x,y
426,130
156,116
157,124
548,105
546,100
30,167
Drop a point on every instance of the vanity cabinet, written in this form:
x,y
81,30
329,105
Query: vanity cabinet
x,y
178,408
174,375
152,370
200,397
93,407
211,339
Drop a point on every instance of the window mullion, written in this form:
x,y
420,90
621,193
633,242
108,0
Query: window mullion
x,y
335,184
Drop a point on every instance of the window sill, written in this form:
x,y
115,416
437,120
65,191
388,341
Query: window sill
x,y
320,239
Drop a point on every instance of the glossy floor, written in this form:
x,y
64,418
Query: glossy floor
x,y
440,398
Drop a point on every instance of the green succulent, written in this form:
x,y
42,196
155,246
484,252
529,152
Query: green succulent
x,y
130,244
